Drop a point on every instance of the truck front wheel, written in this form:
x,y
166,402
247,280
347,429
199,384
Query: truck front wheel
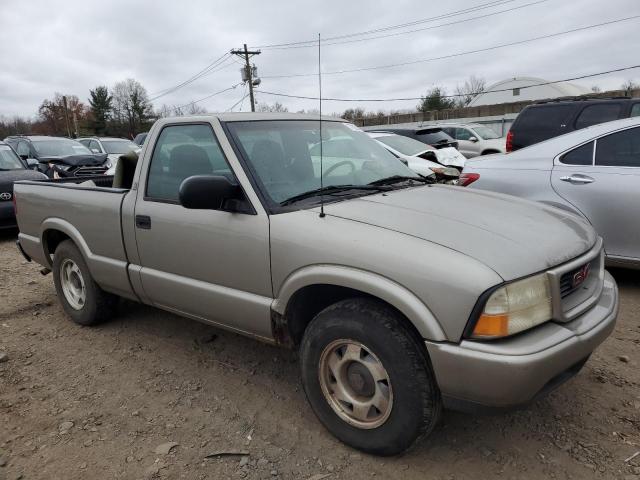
x,y
368,378
82,299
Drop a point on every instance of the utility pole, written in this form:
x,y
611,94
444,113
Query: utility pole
x,y
248,71
66,115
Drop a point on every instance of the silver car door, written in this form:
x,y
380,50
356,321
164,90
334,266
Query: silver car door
x,y
466,147
209,264
600,179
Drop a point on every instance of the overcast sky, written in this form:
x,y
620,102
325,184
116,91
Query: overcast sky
x,y
72,46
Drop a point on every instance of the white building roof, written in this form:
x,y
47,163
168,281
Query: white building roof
x,y
514,91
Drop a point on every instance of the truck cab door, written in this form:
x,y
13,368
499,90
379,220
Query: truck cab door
x,y
600,178
211,265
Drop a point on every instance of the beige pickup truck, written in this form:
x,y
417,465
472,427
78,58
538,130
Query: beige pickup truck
x,y
402,296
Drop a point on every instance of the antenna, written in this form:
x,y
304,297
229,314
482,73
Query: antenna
x,y
320,117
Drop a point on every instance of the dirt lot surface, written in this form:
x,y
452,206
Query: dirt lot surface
x,y
93,403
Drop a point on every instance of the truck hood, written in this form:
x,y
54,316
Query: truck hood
x,y
511,236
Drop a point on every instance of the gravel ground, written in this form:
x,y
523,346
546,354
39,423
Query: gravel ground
x,y
151,395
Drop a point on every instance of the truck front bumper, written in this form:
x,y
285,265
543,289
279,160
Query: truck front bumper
x,y
506,373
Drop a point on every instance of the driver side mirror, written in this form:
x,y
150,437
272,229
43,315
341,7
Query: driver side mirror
x,y
95,150
208,192
32,162
473,139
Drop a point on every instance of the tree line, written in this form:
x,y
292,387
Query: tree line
x,y
124,110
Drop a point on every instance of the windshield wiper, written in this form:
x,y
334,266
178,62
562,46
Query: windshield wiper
x,y
330,190
400,178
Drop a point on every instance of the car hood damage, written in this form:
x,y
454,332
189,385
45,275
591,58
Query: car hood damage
x,y
80,160
511,236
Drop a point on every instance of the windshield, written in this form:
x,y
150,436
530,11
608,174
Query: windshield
x,y
8,159
285,156
60,147
119,146
404,145
485,133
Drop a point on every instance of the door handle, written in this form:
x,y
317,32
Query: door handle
x,y
577,179
143,221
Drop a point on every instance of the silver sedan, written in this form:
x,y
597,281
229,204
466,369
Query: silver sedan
x,y
593,172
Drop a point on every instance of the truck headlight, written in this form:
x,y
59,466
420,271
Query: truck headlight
x,y
515,307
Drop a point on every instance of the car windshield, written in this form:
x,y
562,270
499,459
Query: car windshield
x,y
60,147
119,146
285,156
8,159
485,133
404,145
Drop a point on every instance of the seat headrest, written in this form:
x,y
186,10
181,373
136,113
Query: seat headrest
x,y
188,160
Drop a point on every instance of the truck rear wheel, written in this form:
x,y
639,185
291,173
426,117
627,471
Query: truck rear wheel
x,y
82,299
368,378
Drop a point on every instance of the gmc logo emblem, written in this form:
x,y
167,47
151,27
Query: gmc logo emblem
x,y
580,276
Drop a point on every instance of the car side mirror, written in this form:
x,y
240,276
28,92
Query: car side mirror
x,y
473,139
95,150
32,162
207,192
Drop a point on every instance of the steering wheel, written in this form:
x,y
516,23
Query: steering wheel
x,y
338,165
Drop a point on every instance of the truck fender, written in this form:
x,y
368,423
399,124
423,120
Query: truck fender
x,y
111,274
367,282
69,230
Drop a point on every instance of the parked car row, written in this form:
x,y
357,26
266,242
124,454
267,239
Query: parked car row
x,y
60,157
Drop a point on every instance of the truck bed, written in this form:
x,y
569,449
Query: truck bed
x,y
87,213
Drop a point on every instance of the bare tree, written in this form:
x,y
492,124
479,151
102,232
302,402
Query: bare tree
x,y
596,89
629,86
131,104
276,107
195,109
472,87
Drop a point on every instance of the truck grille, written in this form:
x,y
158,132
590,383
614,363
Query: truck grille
x,y
90,171
577,284
571,281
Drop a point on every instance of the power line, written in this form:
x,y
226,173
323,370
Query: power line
x,y
581,77
459,54
244,95
395,34
206,70
313,42
209,96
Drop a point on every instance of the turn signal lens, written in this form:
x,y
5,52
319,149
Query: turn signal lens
x,y
515,307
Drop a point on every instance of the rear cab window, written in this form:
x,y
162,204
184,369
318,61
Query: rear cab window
x,y
182,151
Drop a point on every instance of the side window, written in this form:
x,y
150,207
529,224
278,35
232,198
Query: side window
x,y
463,134
85,142
635,110
583,155
182,151
93,145
23,149
599,113
450,131
620,149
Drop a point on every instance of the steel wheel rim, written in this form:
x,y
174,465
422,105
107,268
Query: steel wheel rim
x,y
355,384
72,283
